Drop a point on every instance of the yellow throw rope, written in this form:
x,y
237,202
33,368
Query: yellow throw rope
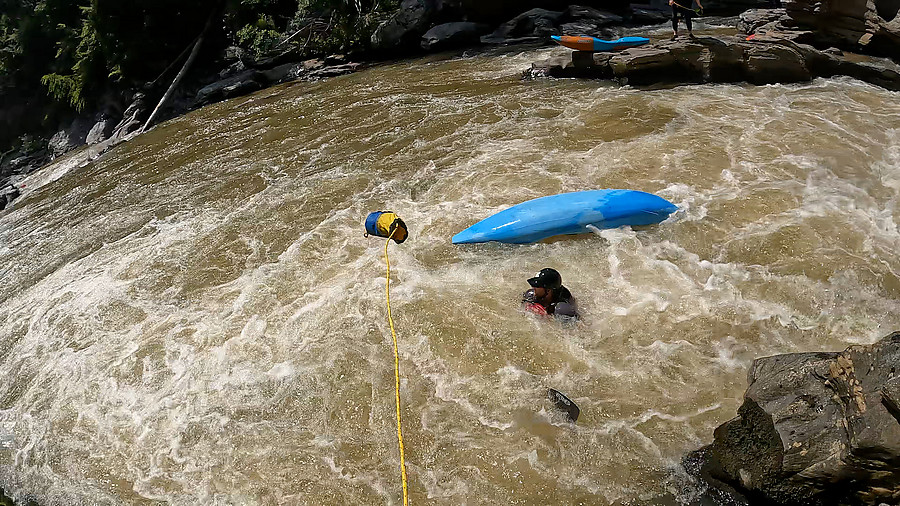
x,y
387,293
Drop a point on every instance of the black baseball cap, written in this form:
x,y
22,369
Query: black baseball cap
x,y
547,278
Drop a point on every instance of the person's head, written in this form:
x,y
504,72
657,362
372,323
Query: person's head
x,y
545,282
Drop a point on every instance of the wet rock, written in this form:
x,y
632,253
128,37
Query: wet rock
x,y
101,130
536,24
814,428
587,29
241,84
890,395
234,53
871,26
133,117
22,161
762,20
7,195
498,11
283,73
579,13
579,20
732,7
774,63
333,71
453,35
232,70
336,59
649,16
71,137
404,29
313,64
764,60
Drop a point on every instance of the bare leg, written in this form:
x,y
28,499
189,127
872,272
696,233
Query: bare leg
x,y
674,22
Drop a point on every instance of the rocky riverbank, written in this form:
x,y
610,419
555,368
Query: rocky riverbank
x,y
765,59
785,45
814,429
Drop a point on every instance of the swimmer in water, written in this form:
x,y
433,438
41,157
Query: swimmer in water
x,y
548,296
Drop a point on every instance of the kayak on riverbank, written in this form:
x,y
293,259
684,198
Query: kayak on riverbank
x,y
594,44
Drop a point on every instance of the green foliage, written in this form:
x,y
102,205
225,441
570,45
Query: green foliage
x,y
83,48
65,88
259,37
61,54
9,46
338,25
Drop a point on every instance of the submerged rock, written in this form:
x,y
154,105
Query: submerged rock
x,y
815,428
764,60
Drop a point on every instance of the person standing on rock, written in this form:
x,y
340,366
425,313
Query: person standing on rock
x,y
685,9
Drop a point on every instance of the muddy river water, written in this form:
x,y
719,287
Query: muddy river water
x,y
196,318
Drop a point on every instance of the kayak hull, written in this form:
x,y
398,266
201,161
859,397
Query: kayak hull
x,y
566,214
594,44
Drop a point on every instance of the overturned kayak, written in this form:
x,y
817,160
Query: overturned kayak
x,y
568,213
596,45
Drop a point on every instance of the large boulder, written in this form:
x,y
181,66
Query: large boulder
x,y
404,29
762,20
649,15
814,428
8,193
332,71
453,35
863,25
734,7
591,15
70,137
101,130
283,73
235,86
497,11
133,117
580,20
535,24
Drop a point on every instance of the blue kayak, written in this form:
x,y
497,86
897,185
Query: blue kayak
x,y
568,213
594,44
